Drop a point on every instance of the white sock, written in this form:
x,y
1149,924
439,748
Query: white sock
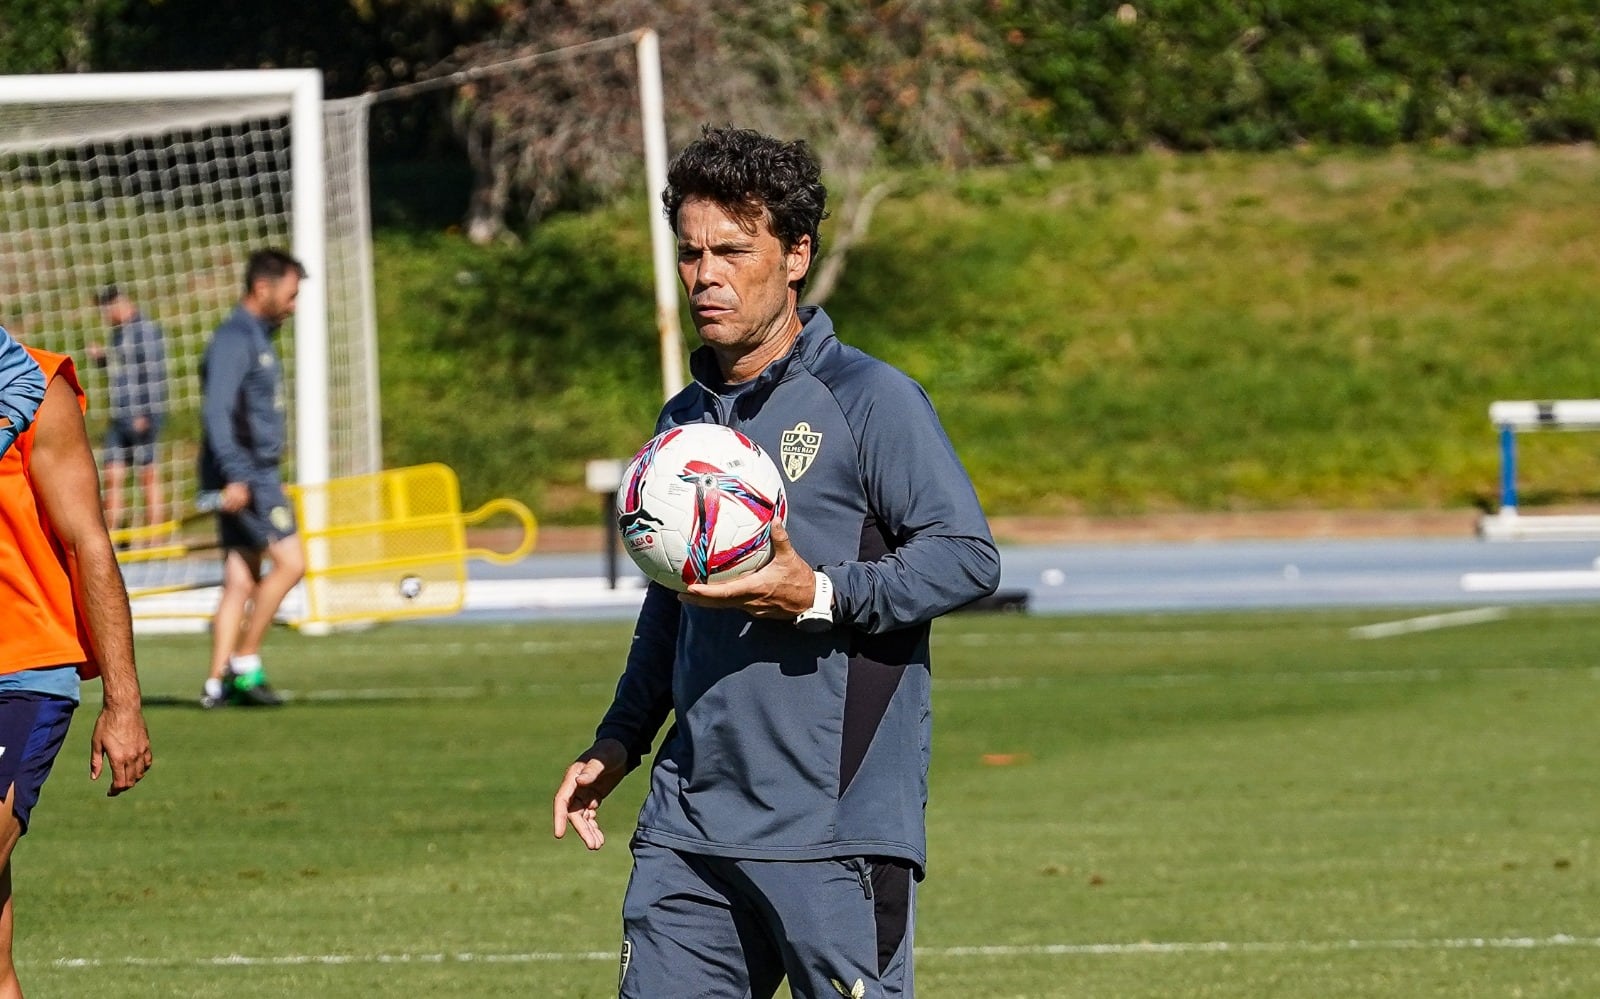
x,y
244,665
213,688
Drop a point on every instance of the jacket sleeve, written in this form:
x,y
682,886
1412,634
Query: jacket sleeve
x,y
227,363
942,554
644,693
150,372
21,390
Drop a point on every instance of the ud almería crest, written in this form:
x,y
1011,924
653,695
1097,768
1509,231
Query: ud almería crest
x,y
798,447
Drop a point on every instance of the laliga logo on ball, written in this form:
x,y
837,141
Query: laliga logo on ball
x,y
697,505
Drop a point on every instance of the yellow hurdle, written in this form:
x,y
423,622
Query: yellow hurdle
x,y
383,546
393,544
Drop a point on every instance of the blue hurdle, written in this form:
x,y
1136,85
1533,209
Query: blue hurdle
x,y
1510,419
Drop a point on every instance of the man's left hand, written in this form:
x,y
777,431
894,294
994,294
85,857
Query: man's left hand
x,y
779,590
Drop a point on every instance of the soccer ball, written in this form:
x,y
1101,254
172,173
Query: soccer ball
x,y
697,505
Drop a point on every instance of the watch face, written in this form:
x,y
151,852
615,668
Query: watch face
x,y
813,623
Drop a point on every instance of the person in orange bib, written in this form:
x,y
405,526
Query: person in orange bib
x,y
64,618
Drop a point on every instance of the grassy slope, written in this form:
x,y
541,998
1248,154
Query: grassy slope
x,y
1299,330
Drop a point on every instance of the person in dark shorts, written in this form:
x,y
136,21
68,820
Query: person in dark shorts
x,y
137,362
243,435
64,618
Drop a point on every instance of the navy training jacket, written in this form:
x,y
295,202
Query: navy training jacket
x,y
243,423
789,745
138,383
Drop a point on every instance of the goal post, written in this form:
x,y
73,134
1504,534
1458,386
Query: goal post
x,y
162,184
653,122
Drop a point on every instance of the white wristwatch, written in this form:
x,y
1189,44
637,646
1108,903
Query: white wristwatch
x,y
820,616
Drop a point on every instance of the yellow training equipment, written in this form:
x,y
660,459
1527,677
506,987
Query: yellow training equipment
x,y
393,544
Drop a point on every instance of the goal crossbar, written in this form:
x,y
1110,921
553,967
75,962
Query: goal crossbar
x,y
162,185
147,102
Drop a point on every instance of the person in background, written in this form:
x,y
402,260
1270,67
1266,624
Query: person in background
x,y
137,358
243,433
64,617
783,832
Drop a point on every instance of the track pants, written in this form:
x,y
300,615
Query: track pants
x,y
726,928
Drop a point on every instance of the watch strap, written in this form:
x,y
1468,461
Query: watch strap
x,y
820,614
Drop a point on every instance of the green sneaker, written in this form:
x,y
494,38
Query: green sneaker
x,y
251,690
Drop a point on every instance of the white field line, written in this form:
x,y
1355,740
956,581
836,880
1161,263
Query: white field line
x,y
1550,579
1429,622
1177,947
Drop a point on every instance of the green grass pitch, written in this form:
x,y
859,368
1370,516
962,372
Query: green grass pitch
x,y
1132,806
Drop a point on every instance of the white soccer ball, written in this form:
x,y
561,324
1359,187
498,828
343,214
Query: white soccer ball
x,y
697,504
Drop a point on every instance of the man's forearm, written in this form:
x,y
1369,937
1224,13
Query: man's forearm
x,y
103,599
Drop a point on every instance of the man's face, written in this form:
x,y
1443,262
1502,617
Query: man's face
x,y
737,280
277,298
117,311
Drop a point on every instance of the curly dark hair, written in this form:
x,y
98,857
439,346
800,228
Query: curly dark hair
x,y
270,264
754,177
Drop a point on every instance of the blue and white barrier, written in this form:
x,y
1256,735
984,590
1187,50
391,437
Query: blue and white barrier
x,y
1512,418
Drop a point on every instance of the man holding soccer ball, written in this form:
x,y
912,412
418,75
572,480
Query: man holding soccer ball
x,y
783,832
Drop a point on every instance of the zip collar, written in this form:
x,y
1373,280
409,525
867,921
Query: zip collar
x,y
816,331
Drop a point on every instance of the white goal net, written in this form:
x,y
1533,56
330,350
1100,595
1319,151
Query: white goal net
x,y
162,184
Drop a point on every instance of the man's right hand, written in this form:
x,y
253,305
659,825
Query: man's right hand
x,y
587,782
235,497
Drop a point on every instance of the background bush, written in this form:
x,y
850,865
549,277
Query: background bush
x,y
1186,74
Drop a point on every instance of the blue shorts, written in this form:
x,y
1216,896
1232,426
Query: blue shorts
x,y
268,517
123,442
32,728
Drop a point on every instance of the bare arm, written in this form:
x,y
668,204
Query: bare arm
x,y
67,485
